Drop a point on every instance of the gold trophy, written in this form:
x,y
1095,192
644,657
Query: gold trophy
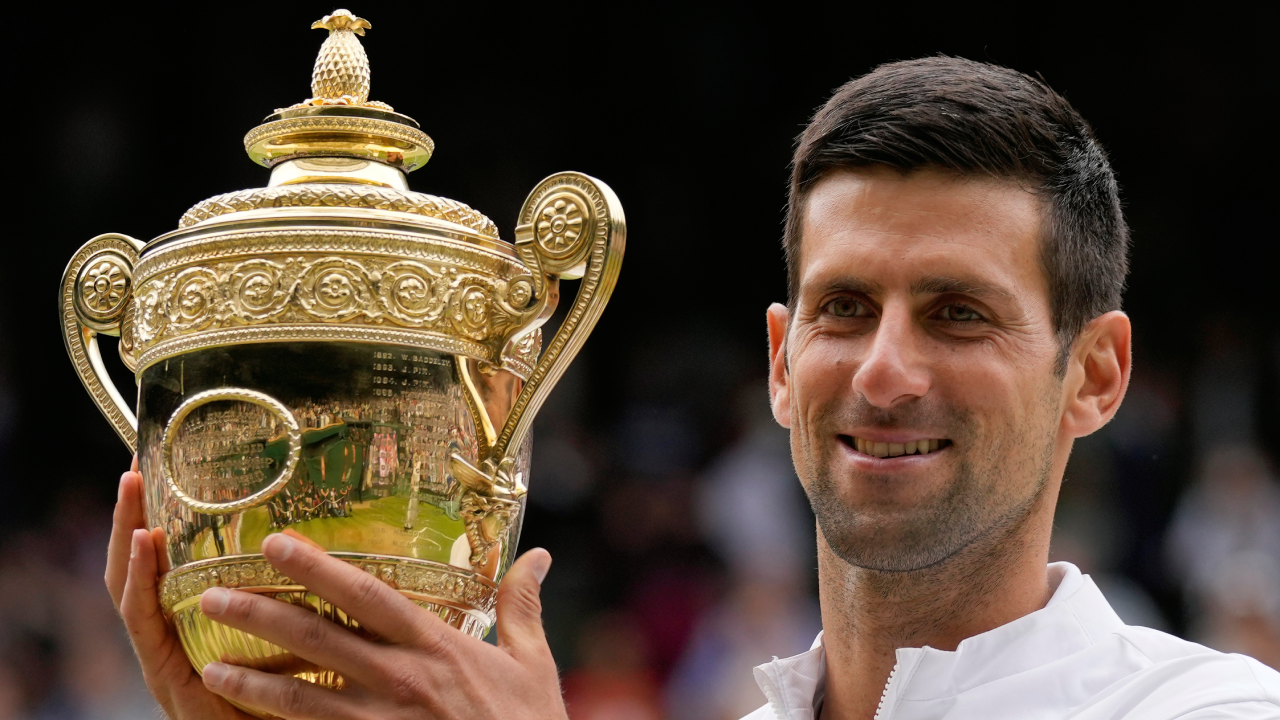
x,y
338,357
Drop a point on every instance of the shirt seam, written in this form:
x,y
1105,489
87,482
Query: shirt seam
x,y
1084,628
1259,687
1266,696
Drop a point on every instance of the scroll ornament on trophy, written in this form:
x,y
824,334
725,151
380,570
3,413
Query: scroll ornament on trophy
x,y
337,357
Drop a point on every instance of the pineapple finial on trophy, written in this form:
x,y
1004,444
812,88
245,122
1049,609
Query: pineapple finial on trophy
x,y
341,74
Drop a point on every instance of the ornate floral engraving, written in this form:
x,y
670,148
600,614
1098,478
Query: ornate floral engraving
x,y
521,353
600,244
447,584
79,327
559,225
400,132
195,300
413,291
288,288
342,196
487,519
105,286
337,289
128,338
259,289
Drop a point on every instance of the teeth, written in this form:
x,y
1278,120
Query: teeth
x,y
879,449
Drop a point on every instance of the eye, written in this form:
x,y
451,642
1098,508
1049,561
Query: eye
x,y
846,307
959,314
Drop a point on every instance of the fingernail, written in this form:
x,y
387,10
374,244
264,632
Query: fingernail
x,y
215,600
541,566
135,543
277,547
214,673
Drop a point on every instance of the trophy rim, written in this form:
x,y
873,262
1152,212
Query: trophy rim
x,y
462,589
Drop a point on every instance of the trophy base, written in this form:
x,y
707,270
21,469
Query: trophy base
x,y
461,598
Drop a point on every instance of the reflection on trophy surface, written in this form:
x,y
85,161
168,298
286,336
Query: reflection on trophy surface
x,y
340,358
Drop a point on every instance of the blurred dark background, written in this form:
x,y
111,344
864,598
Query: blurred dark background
x,y
683,545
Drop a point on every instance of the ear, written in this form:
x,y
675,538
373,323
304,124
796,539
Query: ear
x,y
1097,374
779,389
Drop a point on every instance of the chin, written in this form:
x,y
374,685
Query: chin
x,y
896,545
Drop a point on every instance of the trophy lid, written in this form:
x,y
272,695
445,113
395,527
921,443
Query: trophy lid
x,y
338,150
339,120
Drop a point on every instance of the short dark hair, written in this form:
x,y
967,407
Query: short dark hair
x,y
973,118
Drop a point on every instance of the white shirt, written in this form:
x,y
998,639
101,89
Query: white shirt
x,y
1072,659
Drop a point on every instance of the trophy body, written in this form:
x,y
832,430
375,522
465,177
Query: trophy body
x,y
339,358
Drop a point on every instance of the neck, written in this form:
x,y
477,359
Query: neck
x,y
867,615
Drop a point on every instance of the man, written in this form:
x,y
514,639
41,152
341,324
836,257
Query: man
x,y
956,254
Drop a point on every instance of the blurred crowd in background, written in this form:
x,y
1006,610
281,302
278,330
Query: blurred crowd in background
x,y
684,547
683,544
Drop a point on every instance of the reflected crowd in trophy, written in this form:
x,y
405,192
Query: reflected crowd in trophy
x,y
682,542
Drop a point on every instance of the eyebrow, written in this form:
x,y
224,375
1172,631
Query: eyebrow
x,y
855,285
930,285
940,285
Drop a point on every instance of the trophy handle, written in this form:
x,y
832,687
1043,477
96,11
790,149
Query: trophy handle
x,y
96,297
571,226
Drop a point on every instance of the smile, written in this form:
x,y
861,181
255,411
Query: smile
x,y
888,449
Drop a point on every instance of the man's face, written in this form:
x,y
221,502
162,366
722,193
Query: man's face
x,y
920,387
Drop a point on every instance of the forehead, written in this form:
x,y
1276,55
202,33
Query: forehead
x,y
886,228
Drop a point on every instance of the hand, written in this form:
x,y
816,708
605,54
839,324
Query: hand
x,y
422,668
136,558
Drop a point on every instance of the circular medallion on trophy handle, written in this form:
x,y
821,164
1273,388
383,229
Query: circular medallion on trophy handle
x,y
230,449
564,223
103,289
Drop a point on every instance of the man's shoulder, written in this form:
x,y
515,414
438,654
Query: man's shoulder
x,y
1164,650
1172,677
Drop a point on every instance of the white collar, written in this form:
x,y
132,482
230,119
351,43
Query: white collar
x,y
1076,616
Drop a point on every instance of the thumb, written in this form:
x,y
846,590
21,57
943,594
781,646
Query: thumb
x,y
520,604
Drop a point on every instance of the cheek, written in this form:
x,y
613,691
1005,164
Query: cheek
x,y
996,393
821,374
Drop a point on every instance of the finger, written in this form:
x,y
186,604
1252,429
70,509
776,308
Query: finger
x,y
161,543
287,697
380,609
133,466
154,641
300,631
128,516
520,605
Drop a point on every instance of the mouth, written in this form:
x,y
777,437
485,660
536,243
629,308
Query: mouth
x,y
890,449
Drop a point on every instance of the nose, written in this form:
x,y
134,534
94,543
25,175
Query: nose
x,y
893,370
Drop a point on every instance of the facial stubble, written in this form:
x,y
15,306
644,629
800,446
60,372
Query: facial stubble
x,y
987,496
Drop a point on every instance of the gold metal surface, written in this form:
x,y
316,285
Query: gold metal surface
x,y
318,195
237,284
96,292
177,426
337,357
341,75
339,131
